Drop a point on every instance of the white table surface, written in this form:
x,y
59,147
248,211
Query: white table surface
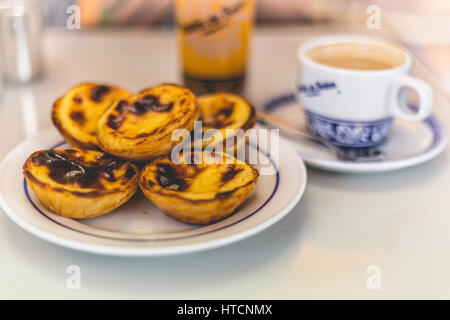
x,y
399,221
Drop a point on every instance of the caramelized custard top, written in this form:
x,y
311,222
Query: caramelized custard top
x,y
67,168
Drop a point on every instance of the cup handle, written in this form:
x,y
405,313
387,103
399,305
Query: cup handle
x,y
398,103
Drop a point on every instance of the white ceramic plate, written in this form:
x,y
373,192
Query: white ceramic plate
x,y
409,143
138,228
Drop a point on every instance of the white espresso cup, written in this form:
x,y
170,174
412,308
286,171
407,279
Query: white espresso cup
x,y
351,87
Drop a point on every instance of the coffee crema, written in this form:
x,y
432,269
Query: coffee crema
x,y
358,56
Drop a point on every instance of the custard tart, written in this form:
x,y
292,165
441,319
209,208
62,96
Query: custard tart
x,y
201,188
77,112
80,184
140,127
228,114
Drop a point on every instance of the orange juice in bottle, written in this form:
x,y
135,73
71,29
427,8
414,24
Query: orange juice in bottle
x,y
213,38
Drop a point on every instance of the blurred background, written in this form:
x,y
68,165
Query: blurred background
x,y
102,13
423,25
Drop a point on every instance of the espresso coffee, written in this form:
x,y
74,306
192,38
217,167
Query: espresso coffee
x,y
358,56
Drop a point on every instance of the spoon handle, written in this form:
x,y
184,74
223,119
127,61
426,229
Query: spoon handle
x,y
282,124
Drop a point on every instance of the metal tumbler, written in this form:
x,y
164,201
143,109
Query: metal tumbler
x,y
21,30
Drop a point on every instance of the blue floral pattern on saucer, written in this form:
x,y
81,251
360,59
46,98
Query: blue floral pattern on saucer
x,y
357,134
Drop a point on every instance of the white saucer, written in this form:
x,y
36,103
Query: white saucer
x,y
138,228
409,143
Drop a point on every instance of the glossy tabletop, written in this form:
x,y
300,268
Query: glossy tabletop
x,y
397,221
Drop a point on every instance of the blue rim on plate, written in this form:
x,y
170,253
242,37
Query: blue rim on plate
x,y
277,181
